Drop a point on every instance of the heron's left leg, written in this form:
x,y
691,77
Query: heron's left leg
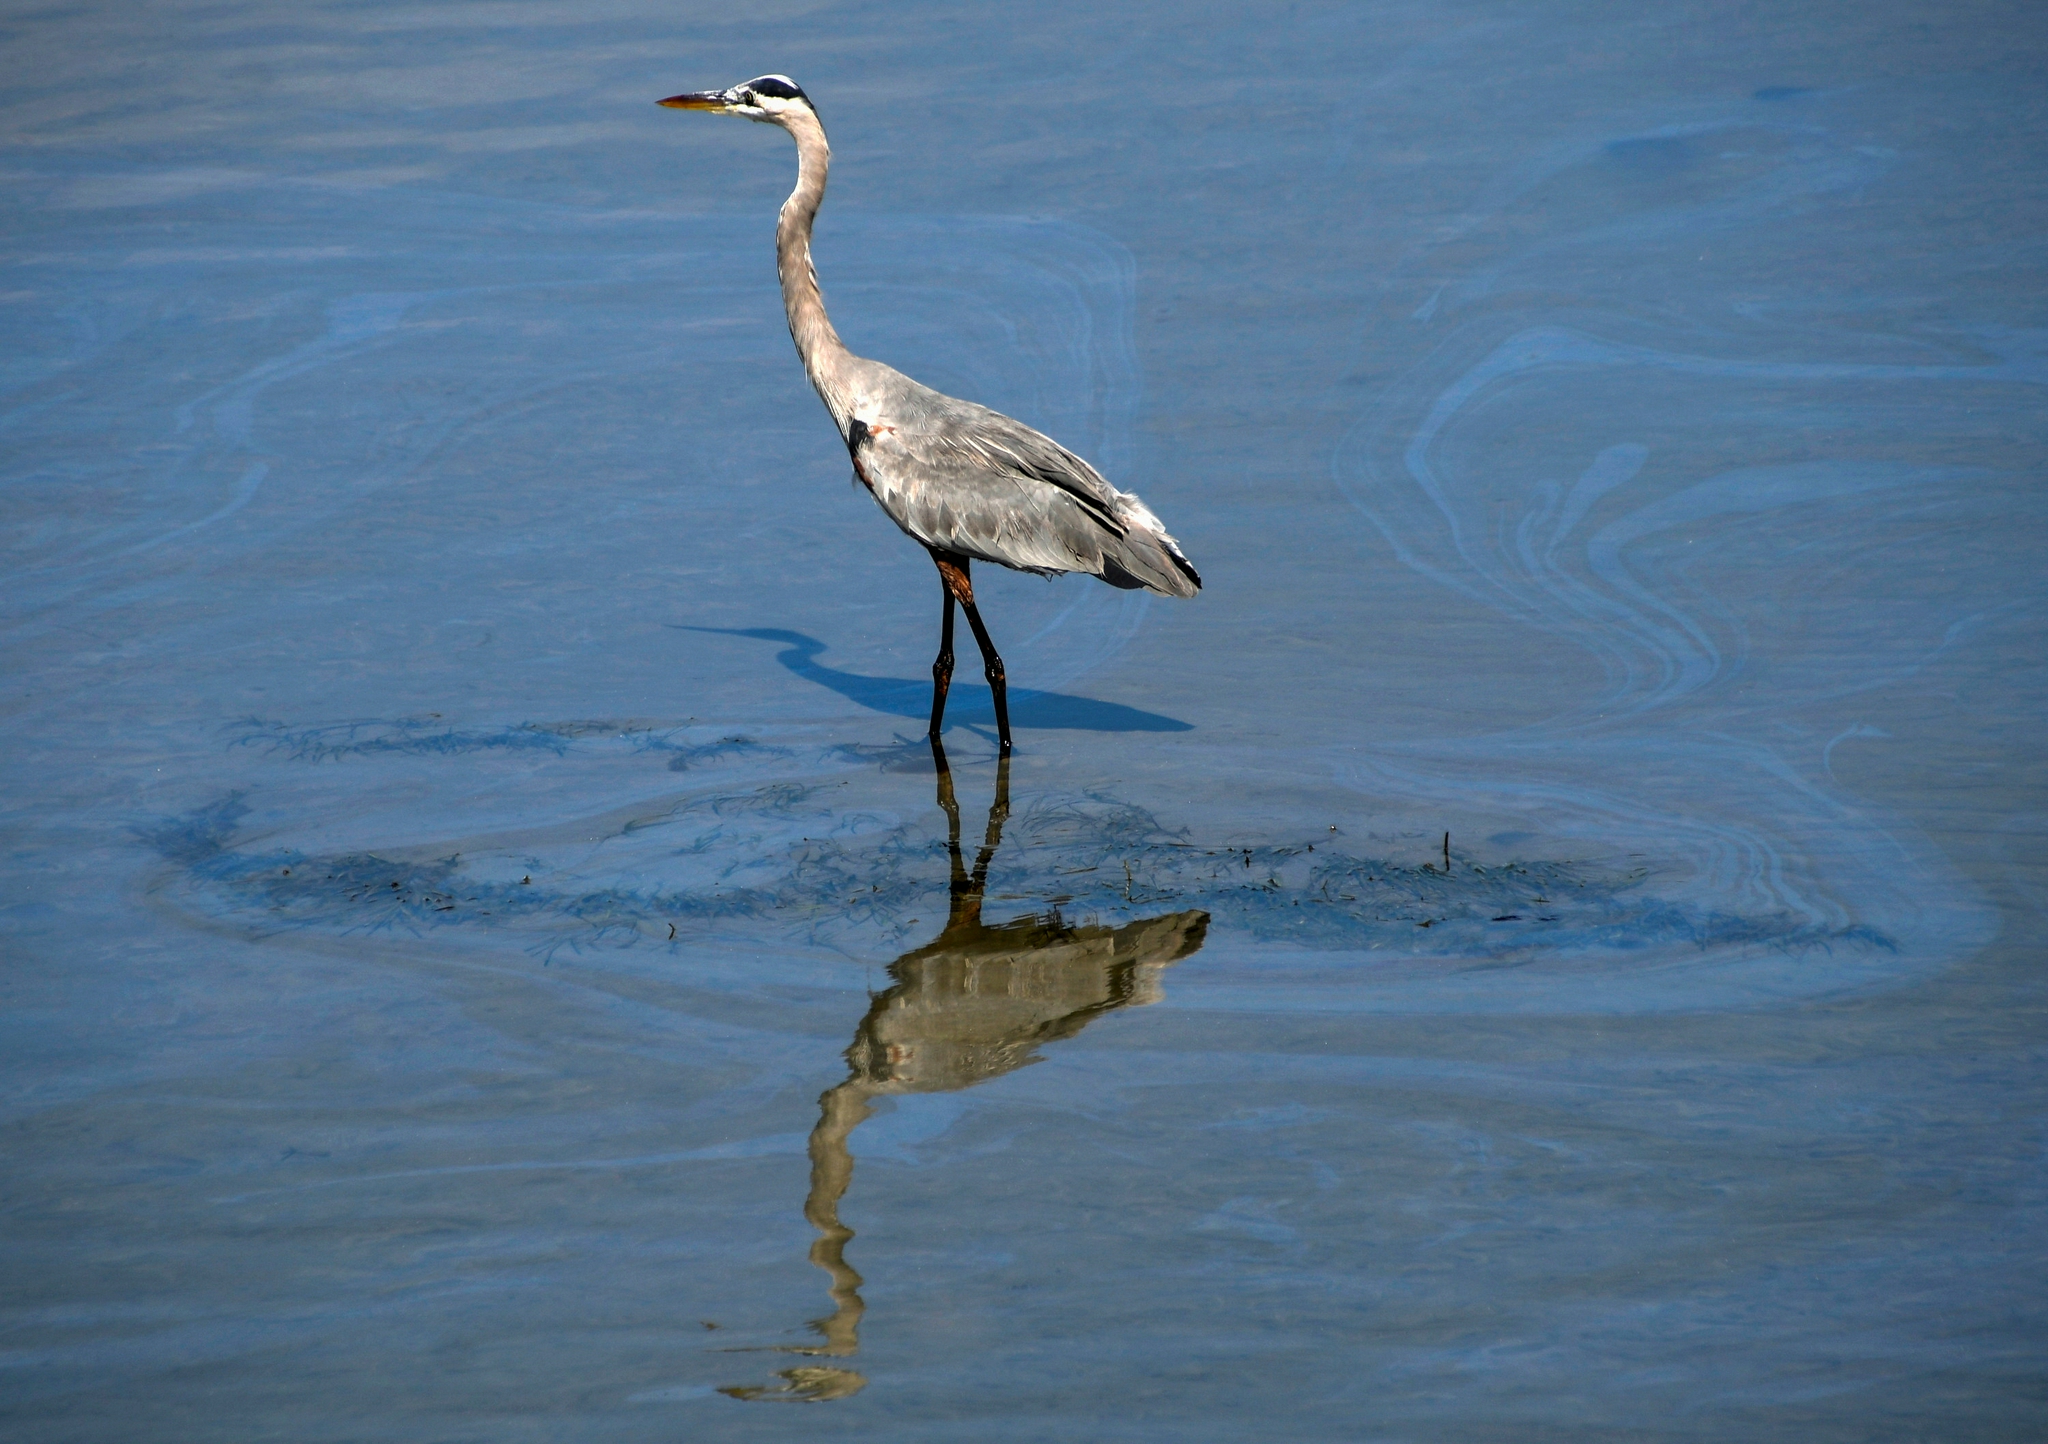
x,y
953,578
942,671
993,669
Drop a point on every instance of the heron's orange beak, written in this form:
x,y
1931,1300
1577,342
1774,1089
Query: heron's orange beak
x,y
696,100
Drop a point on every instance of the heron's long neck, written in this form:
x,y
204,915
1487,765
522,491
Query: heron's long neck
x,y
824,354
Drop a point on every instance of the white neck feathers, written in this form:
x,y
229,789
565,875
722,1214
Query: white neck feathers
x,y
824,354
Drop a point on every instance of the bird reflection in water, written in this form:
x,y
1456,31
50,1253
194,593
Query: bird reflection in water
x,y
970,1005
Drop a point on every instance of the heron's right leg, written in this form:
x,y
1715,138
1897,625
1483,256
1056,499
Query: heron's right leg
x,y
992,668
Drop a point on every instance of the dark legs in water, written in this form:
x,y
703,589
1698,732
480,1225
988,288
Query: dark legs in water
x,y
953,576
992,668
942,669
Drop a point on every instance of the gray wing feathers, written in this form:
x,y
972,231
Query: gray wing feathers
x,y
966,479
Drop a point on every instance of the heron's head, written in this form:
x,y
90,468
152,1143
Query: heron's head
x,y
775,99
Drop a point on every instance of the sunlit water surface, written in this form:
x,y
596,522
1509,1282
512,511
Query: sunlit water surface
x,y
1545,947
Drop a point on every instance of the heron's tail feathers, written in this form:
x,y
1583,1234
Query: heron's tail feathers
x,y
1145,556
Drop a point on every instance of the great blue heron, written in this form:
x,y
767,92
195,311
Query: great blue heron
x,y
964,481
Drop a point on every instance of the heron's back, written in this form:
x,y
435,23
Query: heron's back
x,y
962,478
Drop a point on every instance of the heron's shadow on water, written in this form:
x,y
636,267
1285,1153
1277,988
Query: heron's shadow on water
x,y
912,697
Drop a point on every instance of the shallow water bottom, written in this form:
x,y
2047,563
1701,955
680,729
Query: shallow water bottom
x,y
934,1111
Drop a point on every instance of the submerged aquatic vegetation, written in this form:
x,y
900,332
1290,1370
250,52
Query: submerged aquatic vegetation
x,y
429,735
728,861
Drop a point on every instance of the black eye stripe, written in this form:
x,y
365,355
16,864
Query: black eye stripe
x,y
777,87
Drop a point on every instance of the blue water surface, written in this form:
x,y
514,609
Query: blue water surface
x,y
1547,946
